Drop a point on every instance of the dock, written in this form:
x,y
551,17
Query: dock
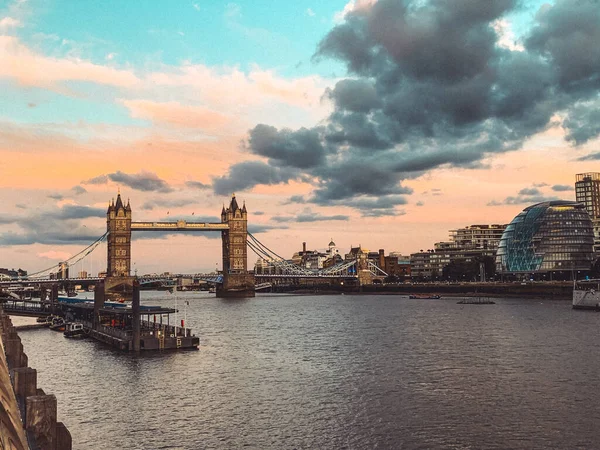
x,y
124,326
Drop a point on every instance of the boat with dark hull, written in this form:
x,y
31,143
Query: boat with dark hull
x,y
58,324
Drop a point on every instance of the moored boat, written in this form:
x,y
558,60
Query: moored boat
x,y
58,324
425,297
74,329
586,294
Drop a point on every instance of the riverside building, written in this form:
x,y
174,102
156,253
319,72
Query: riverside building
x,y
587,191
549,240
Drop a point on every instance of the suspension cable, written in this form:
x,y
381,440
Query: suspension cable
x,y
93,244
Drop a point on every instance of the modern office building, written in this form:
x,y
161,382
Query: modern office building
x,y
553,238
587,191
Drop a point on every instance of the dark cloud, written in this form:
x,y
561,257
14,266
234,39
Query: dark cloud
x,y
430,86
530,191
583,122
57,226
523,200
294,199
100,179
562,187
309,216
258,213
251,173
354,95
142,181
258,228
78,190
21,206
56,197
197,185
76,212
419,203
590,157
540,184
301,149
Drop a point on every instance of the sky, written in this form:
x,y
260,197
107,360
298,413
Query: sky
x,y
380,123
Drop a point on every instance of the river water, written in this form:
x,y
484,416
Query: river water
x,y
334,372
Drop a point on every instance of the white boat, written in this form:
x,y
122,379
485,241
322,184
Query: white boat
x,y
586,294
74,329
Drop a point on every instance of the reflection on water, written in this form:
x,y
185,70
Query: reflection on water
x,y
355,372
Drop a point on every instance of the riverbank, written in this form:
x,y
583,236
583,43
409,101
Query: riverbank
x,y
553,290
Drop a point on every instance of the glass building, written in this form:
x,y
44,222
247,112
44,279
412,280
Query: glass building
x,y
554,236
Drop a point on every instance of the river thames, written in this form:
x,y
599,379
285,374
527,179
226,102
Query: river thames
x,y
335,372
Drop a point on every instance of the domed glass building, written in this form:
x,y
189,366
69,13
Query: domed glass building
x,y
554,236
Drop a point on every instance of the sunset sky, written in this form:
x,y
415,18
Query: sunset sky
x,y
381,123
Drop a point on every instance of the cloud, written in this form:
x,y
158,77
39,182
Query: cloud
x,y
419,203
294,199
255,228
56,196
249,174
29,68
100,179
197,185
562,187
177,114
78,190
309,216
301,149
21,206
432,84
258,213
9,22
590,157
57,226
310,12
142,181
530,191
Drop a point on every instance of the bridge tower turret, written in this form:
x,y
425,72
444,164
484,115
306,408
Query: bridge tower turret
x,y
118,265
237,282
118,225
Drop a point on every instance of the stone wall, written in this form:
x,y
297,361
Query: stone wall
x,y
29,410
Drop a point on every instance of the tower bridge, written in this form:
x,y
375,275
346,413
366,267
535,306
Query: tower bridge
x,y
234,281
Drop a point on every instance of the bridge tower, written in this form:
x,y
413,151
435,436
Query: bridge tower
x,y
237,282
118,264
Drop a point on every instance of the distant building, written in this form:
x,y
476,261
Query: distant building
x,y
428,265
12,273
554,238
467,244
397,265
587,191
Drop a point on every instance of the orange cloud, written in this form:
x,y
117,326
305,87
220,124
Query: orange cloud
x,y
175,113
33,69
